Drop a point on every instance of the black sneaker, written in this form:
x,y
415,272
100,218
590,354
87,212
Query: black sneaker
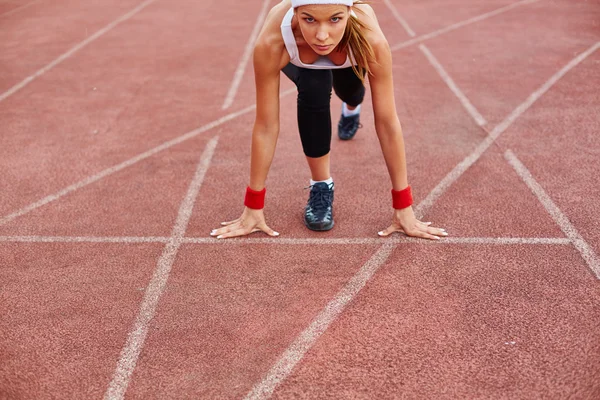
x,y
348,126
318,213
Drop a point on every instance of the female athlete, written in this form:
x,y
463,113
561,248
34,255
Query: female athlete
x,y
323,45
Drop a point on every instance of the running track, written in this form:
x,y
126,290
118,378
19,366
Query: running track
x,y
124,139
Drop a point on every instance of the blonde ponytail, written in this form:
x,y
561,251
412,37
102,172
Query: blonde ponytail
x,y
359,49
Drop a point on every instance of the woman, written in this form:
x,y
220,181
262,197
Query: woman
x,y
320,44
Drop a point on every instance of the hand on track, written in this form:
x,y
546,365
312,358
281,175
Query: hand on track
x,y
250,221
405,221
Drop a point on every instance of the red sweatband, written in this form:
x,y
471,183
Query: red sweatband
x,y
255,199
402,198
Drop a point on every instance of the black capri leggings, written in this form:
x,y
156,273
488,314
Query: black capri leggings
x,y
314,96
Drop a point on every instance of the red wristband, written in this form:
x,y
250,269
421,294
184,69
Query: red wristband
x,y
255,199
402,198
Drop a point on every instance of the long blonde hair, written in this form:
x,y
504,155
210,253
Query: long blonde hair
x,y
355,43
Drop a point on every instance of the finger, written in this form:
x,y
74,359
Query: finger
x,y
437,231
234,233
422,234
388,231
423,225
263,227
230,222
225,229
217,232
428,232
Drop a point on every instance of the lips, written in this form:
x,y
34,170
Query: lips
x,y
322,48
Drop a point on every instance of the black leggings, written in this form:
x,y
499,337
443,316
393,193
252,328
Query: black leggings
x,y
314,95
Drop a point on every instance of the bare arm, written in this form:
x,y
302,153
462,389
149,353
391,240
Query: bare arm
x,y
387,124
389,132
266,125
267,64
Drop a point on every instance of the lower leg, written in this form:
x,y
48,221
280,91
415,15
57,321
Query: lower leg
x,y
348,110
319,167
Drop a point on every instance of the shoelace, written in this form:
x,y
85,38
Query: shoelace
x,y
348,123
319,199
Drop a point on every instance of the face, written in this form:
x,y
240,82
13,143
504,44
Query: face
x,y
323,25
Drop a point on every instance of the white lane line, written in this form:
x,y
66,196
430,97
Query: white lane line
x,y
452,27
14,10
557,215
294,353
440,70
399,18
239,72
134,160
450,82
453,175
378,241
137,335
283,241
505,241
84,239
73,50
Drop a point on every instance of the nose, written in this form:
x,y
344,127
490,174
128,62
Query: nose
x,y
322,35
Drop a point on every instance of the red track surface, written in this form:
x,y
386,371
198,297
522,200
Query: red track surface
x,y
110,285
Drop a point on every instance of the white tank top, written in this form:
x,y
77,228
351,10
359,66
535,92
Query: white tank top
x,y
292,48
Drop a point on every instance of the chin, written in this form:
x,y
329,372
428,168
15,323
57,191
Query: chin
x,y
324,52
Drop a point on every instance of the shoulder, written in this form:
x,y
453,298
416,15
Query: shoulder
x,y
373,33
269,45
270,34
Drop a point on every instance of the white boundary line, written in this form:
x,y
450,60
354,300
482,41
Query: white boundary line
x,y
134,160
283,367
399,18
294,353
557,215
452,85
239,72
399,239
447,29
14,10
73,50
497,131
137,335
84,239
440,70
284,241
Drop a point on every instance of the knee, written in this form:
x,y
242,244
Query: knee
x,y
352,98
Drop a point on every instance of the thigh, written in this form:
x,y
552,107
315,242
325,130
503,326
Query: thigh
x,y
292,72
348,86
314,119
314,85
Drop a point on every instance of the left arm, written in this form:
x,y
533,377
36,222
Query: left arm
x,y
389,132
387,124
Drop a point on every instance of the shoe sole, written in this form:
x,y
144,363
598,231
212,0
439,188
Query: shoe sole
x,y
346,138
325,228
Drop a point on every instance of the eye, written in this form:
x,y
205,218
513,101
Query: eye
x,y
309,20
336,19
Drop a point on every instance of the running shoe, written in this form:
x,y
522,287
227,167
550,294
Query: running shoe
x,y
348,126
318,213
